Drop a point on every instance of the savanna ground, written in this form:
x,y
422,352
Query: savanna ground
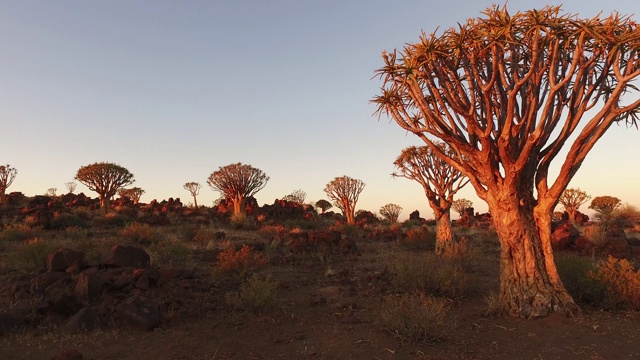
x,y
385,300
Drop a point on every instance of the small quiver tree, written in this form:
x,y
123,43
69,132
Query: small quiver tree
x,y
604,206
344,192
105,179
297,196
132,194
237,182
571,199
391,212
71,186
194,189
323,205
7,175
440,182
460,206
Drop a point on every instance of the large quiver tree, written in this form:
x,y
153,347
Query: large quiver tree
x,y
105,179
440,182
237,182
508,92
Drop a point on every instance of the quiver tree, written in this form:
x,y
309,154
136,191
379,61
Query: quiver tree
x,y
7,175
194,189
323,205
297,196
571,199
461,205
604,206
105,179
440,182
236,182
51,192
71,186
508,93
391,212
132,194
344,192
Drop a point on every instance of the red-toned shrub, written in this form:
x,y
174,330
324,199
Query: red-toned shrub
x,y
240,262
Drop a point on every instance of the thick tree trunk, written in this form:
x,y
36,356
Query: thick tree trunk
x,y
350,217
105,203
238,205
529,283
2,196
195,202
444,237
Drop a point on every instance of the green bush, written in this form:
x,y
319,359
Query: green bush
x,y
32,255
574,271
418,317
66,220
19,232
139,233
256,294
171,254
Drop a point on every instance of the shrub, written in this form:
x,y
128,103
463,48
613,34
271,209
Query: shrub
x,y
240,262
419,238
621,280
495,306
574,272
171,254
32,255
75,233
66,220
139,233
19,232
596,234
111,219
418,317
430,273
256,294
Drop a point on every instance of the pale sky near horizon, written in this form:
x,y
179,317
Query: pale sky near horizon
x,y
172,90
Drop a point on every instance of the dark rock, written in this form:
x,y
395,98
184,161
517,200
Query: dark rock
x,y
88,286
69,355
10,322
128,256
564,235
44,280
617,247
63,259
139,312
84,320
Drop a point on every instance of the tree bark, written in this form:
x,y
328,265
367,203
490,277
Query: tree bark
x,y
105,203
2,196
238,205
195,202
529,283
444,237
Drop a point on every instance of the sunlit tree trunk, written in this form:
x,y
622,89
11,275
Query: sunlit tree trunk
x,y
444,236
105,203
238,205
529,283
195,202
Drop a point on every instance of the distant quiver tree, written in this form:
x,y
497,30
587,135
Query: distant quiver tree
x,y
323,205
461,205
105,179
237,182
440,182
571,199
345,191
71,186
194,189
508,92
7,175
391,212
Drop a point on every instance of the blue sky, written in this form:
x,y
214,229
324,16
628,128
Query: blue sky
x,y
172,90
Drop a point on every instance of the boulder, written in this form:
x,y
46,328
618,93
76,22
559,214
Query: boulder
x,y
44,280
10,322
564,235
128,256
139,312
84,320
617,247
63,259
88,286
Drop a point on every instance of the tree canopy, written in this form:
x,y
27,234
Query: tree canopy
x,y
237,182
105,179
344,191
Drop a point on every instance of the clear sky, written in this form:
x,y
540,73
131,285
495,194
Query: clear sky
x,y
172,90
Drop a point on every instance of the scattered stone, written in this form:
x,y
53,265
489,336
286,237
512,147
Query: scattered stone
x,y
63,259
128,256
84,320
139,312
10,322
